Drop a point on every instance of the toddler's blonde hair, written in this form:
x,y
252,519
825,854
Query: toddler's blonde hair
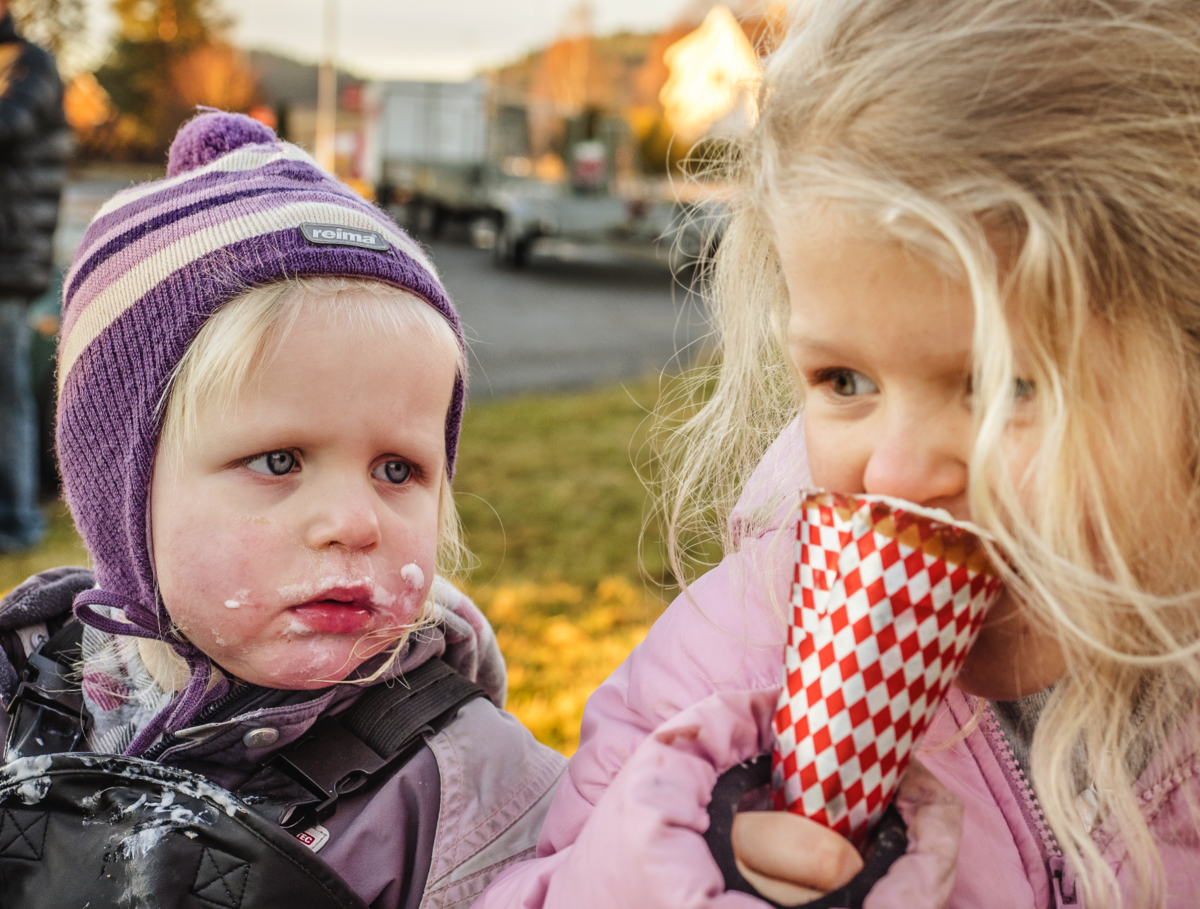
x,y
1046,153
230,350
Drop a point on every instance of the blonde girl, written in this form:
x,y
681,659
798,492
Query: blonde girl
x,y
962,268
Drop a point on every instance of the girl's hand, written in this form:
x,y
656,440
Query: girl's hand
x,y
790,859
642,846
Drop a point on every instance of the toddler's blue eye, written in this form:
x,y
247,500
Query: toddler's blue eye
x,y
395,472
273,463
847,383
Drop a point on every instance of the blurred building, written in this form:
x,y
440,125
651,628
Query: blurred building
x,y
582,87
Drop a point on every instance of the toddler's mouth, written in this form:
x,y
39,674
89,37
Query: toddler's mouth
x,y
338,610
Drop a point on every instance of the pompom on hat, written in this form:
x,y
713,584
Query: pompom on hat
x,y
238,208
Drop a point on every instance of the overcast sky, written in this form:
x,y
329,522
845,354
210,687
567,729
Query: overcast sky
x,y
434,39
414,39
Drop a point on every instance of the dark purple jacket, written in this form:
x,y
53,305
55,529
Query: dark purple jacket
x,y
434,835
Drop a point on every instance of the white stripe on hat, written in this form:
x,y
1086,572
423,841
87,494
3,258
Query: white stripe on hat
x,y
248,157
129,257
146,274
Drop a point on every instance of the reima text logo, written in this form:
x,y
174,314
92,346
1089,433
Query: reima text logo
x,y
334,235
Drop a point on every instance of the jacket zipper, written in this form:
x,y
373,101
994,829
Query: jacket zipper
x,y
235,692
1062,881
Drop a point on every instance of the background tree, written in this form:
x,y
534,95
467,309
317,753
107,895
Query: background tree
x,y
168,57
56,25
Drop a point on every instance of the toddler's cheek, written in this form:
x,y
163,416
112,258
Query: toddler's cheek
x,y
398,603
220,632
217,567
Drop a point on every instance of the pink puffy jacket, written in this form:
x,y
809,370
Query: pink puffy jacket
x,y
698,696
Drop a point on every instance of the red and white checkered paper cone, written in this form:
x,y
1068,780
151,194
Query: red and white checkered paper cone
x,y
886,600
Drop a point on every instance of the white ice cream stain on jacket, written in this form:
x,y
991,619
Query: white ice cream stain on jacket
x,y
414,575
155,820
33,791
25,768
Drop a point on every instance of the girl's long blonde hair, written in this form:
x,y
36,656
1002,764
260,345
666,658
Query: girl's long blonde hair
x,y
1046,153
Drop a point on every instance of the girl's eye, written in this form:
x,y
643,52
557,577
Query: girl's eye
x,y
846,383
394,472
1023,389
273,463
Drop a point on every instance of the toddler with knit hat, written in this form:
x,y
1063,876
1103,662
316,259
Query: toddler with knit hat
x,y
261,384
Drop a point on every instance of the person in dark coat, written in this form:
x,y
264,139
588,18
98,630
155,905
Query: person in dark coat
x,y
33,147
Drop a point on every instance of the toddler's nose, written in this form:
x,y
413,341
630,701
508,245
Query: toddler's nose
x,y
346,517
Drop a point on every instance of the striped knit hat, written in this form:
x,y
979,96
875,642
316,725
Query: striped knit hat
x,y
238,208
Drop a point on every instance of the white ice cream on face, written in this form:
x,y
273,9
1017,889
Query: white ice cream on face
x,y
310,590
232,604
414,575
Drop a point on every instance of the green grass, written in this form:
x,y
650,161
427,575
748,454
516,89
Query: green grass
x,y
545,486
547,489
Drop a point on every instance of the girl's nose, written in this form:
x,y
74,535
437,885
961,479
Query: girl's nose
x,y
922,462
344,516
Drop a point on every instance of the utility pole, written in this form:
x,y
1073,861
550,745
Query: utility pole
x,y
327,89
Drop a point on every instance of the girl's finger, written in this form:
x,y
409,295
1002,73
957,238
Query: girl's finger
x,y
791,848
778,891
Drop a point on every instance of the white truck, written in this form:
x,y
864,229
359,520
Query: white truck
x,y
432,151
657,222
426,150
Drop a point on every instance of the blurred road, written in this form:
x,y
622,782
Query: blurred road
x,y
554,324
559,324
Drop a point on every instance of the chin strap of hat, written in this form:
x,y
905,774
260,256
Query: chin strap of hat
x,y
145,623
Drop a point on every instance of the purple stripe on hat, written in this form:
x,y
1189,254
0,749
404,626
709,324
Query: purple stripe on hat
x,y
122,214
170,227
156,208
186,190
169,216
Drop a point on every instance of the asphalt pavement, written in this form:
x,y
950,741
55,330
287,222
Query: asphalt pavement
x,y
566,324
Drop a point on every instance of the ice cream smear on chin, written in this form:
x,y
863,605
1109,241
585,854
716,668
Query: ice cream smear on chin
x,y
887,598
414,575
